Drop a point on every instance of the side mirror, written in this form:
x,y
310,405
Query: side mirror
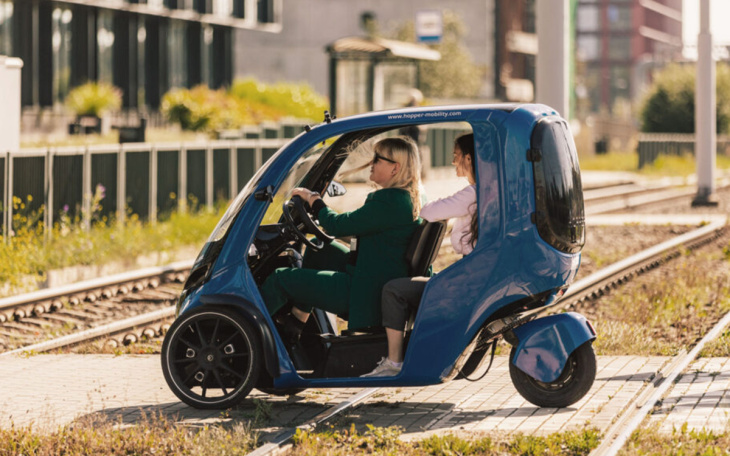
x,y
336,189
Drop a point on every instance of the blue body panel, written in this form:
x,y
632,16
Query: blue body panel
x,y
546,343
510,261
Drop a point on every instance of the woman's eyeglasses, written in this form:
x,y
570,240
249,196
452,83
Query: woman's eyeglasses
x,y
379,157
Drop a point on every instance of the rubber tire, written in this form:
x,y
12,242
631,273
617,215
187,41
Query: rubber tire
x,y
245,339
576,380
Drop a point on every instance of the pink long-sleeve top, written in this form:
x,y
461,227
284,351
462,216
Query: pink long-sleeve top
x,y
460,206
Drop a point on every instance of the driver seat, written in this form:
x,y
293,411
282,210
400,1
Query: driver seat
x,y
424,247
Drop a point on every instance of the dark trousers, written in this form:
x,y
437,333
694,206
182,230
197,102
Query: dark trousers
x,y
321,282
399,298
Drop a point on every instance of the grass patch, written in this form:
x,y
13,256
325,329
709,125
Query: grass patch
x,y
719,347
153,434
682,441
152,135
385,441
667,309
26,256
664,165
612,161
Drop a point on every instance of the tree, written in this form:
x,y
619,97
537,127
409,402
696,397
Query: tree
x,y
455,75
669,107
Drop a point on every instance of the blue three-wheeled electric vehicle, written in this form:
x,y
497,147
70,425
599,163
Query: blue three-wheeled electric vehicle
x,y
223,342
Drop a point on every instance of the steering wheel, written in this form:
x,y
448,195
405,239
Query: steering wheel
x,y
295,204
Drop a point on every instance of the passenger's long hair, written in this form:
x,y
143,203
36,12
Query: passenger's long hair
x,y
465,143
405,152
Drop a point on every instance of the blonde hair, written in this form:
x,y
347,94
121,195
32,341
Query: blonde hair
x,y
403,151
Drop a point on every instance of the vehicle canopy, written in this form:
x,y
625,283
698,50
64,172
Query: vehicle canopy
x,y
530,217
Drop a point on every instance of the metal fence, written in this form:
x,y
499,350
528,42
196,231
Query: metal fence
x,y
652,145
150,180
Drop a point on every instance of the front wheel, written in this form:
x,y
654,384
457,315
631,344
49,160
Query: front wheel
x,y
570,387
211,358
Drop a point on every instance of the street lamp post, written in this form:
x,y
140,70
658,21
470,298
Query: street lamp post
x,y
705,113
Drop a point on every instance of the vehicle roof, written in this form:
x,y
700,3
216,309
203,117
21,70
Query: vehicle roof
x,y
430,114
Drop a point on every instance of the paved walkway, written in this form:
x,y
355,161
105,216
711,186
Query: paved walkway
x,y
47,391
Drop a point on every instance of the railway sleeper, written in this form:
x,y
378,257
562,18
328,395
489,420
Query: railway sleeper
x,y
21,327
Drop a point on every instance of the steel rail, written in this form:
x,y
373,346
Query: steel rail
x,y
616,437
25,304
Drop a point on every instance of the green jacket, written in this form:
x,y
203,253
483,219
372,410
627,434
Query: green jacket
x,y
383,226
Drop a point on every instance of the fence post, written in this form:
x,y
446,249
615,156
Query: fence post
x,y
86,189
182,198
7,198
9,208
121,184
152,216
209,176
233,171
48,190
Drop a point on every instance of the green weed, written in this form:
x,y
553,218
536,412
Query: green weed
x,y
152,434
682,441
385,441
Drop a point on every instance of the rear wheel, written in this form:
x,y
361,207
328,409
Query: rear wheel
x,y
211,358
570,387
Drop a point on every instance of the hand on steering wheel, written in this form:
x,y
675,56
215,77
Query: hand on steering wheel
x,y
296,204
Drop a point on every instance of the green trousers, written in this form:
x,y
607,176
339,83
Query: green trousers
x,y
321,282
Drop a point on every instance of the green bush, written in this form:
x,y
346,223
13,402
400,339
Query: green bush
x,y
669,107
247,103
94,99
287,99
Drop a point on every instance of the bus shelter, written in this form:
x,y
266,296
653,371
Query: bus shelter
x,y
371,74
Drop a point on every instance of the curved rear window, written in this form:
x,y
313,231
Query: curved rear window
x,y
560,217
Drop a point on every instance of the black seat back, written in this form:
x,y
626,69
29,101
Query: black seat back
x,y
424,246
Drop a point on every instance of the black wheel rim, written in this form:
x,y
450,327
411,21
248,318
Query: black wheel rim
x,y
210,358
566,377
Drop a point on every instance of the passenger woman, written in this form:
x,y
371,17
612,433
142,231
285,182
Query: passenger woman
x,y
401,295
346,283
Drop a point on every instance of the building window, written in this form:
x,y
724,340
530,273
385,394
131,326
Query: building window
x,y
589,48
177,52
6,28
141,57
266,13
61,45
619,48
207,56
589,19
105,44
619,18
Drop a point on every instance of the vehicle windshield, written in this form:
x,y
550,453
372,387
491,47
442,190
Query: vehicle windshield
x,y
294,179
225,222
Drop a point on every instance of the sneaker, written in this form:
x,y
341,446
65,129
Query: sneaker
x,y
385,368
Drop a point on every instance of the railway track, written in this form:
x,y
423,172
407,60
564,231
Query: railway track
x,y
154,323
126,307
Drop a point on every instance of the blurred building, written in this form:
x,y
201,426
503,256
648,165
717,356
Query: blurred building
x,y
618,43
144,47
515,50
299,52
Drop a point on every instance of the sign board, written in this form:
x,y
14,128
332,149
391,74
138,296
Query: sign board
x,y
429,26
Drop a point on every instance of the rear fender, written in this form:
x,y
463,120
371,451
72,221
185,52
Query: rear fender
x,y
251,313
544,345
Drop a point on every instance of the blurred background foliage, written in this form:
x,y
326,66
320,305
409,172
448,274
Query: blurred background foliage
x,y
94,99
669,105
455,75
247,102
